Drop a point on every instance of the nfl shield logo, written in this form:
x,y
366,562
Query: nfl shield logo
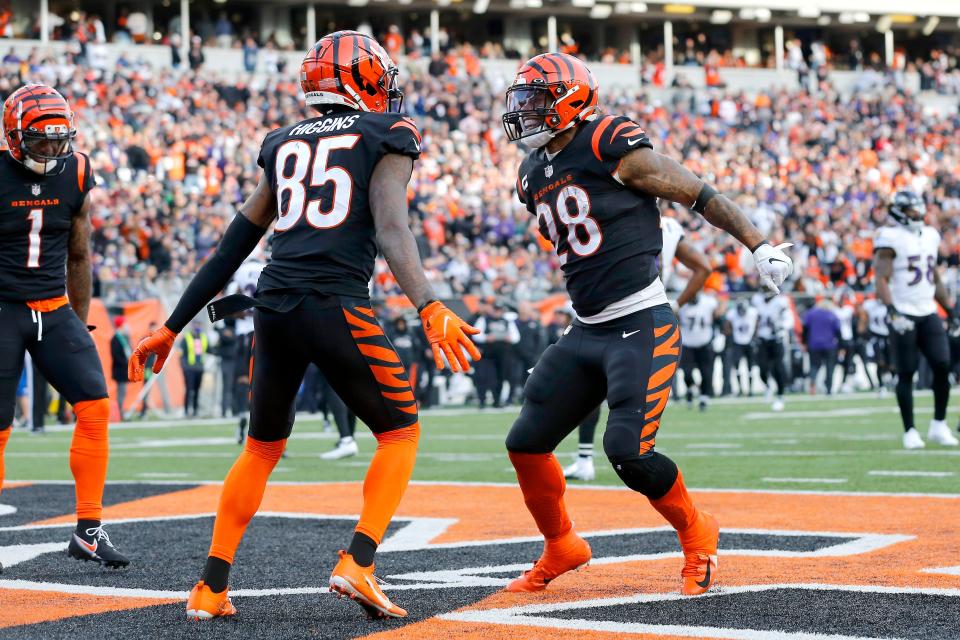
x,y
35,189
548,171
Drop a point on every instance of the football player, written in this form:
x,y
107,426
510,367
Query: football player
x,y
774,319
335,185
45,290
674,246
908,283
872,321
697,321
741,327
593,181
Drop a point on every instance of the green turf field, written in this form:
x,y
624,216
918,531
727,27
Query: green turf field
x,y
816,444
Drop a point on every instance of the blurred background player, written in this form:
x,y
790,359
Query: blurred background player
x,y
336,186
593,183
244,281
740,325
45,290
697,321
909,285
674,246
774,322
872,322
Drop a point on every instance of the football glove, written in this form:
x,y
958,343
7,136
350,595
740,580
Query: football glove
x,y
159,342
953,324
774,265
447,334
899,322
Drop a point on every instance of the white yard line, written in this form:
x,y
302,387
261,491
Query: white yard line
x,y
807,480
911,474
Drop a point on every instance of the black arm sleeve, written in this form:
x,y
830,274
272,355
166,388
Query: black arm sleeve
x,y
239,240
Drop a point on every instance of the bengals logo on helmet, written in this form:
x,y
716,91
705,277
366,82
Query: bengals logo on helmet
x,y
38,125
552,92
350,69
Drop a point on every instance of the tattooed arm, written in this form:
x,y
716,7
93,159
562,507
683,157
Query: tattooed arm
x,y
648,171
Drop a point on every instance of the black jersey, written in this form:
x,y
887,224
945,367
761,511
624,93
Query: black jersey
x,y
36,212
606,235
319,170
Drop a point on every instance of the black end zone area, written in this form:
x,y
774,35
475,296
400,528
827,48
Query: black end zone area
x,y
831,612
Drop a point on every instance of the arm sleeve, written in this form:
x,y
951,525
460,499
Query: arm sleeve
x,y
238,241
615,137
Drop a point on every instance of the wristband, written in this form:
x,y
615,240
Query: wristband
x,y
760,244
425,305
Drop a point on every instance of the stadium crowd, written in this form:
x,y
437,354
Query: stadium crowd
x,y
175,153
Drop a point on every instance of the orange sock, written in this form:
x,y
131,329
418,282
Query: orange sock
x,y
89,455
242,493
542,483
677,507
387,479
4,436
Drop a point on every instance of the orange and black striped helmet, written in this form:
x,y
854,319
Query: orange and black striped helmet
x,y
350,69
38,125
552,92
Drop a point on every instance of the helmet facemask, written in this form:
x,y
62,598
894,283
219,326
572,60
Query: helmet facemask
x,y
530,112
391,85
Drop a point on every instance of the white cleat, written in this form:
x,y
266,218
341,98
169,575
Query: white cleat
x,y
581,469
777,405
912,439
344,449
939,433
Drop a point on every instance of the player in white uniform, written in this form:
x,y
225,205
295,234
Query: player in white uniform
x,y
696,325
909,285
741,327
244,281
873,323
674,246
774,322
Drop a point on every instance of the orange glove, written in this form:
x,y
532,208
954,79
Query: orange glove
x,y
159,342
447,332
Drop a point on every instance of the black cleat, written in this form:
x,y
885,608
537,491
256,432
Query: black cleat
x,y
95,545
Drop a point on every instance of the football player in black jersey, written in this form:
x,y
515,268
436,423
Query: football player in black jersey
x,y
45,289
335,184
593,181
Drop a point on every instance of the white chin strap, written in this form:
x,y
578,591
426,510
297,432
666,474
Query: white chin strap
x,y
42,168
540,139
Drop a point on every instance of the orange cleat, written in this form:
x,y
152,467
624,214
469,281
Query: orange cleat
x,y
699,544
566,553
204,604
359,584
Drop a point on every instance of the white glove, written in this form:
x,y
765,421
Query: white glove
x,y
774,265
898,322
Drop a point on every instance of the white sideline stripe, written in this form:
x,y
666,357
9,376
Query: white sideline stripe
x,y
526,615
807,480
713,445
911,474
513,485
947,571
7,509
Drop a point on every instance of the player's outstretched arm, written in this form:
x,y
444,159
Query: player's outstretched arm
x,y
240,238
79,268
693,259
447,333
662,176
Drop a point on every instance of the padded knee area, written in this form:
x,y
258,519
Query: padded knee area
x,y
524,437
652,475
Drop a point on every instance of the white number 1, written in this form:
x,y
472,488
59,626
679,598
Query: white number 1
x,y
33,249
